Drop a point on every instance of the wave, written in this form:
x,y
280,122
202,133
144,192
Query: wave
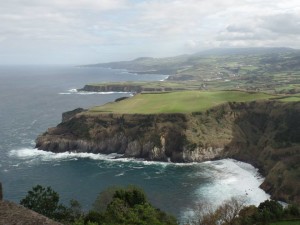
x,y
75,91
229,178
233,178
120,174
33,153
36,154
165,78
101,93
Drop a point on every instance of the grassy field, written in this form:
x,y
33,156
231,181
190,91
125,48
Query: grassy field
x,y
177,102
296,222
291,99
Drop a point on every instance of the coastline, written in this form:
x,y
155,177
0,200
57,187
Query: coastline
x,y
236,130
227,173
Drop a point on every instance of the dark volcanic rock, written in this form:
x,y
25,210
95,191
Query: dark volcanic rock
x,y
68,115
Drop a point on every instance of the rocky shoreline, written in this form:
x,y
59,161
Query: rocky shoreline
x,y
264,134
133,88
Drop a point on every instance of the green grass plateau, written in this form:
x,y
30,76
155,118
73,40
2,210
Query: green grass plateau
x,y
178,102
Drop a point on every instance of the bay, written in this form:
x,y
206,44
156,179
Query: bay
x,y
32,99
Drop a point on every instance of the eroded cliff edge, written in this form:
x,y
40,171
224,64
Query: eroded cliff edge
x,y
265,134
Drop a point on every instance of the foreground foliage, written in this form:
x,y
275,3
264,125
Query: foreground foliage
x,y
127,206
112,206
45,201
234,212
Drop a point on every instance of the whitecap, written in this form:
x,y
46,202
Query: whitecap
x,y
30,153
73,90
165,78
232,178
35,154
16,165
120,174
70,91
229,178
101,93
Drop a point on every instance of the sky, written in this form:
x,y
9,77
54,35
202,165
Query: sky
x,y
93,31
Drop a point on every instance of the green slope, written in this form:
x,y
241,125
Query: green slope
x,y
178,102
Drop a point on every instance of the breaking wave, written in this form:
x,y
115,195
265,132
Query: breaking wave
x,y
75,91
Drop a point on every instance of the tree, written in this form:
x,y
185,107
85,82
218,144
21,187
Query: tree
x,y
226,214
104,198
229,210
42,200
127,206
131,196
45,201
269,210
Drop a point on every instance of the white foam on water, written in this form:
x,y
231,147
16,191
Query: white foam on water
x,y
75,91
35,154
120,174
165,78
231,178
30,153
70,91
234,178
101,93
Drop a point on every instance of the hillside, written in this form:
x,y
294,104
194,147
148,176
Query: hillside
x,y
264,133
276,70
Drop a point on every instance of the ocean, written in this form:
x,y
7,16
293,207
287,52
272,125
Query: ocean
x,y
32,99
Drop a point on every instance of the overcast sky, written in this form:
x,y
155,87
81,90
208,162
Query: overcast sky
x,y
91,31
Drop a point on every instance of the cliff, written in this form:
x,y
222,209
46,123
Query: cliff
x,y
265,134
133,88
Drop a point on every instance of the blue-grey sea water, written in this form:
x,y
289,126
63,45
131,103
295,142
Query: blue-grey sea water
x,y
32,99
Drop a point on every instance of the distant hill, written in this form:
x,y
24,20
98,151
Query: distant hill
x,y
246,51
275,70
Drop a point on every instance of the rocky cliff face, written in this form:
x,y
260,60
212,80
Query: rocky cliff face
x,y
112,88
266,134
133,88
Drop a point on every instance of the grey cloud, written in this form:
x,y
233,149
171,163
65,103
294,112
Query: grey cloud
x,y
239,29
108,25
285,23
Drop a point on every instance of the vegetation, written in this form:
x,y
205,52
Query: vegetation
x,y
45,201
125,206
234,212
177,102
120,206
287,222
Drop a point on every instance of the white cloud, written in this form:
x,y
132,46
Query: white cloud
x,y
158,26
